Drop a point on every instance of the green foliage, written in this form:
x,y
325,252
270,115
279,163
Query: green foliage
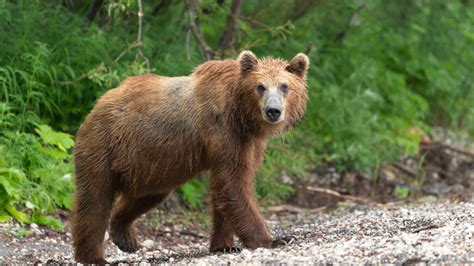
x,y
401,192
193,192
381,73
35,172
397,68
57,72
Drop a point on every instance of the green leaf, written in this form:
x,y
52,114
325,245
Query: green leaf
x,y
11,191
49,221
18,215
10,180
30,205
55,153
193,192
61,140
401,192
4,217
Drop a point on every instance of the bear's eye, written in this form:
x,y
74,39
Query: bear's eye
x,y
284,88
261,89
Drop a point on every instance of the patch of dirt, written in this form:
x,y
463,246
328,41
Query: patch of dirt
x,y
163,234
439,169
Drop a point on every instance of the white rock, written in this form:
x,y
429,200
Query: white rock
x,y
246,254
470,229
148,243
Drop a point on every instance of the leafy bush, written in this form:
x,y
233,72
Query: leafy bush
x,y
35,172
381,73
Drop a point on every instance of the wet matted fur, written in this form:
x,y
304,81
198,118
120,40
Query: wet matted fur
x,y
154,133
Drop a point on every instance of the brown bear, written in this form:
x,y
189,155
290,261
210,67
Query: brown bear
x,y
154,133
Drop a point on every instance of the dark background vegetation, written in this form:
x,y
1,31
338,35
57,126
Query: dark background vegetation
x,y
383,74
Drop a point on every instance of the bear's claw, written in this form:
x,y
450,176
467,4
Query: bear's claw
x,y
125,241
128,247
227,250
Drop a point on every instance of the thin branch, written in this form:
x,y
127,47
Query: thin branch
x,y
406,170
309,48
285,208
125,51
449,147
191,7
256,22
79,78
140,22
427,227
139,35
458,150
338,195
350,22
137,44
188,52
349,197
228,36
190,233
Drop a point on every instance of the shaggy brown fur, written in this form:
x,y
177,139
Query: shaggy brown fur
x,y
154,133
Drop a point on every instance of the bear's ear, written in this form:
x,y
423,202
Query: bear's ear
x,y
299,65
248,61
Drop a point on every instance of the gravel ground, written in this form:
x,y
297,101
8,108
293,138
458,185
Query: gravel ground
x,y
427,233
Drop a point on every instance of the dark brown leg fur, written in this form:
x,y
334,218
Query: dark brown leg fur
x,y
222,239
250,226
91,211
125,212
237,205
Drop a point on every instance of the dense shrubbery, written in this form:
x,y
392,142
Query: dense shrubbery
x,y
35,171
381,73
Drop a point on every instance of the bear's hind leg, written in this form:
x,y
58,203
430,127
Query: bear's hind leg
x,y
91,211
124,214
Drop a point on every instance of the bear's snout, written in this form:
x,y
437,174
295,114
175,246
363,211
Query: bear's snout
x,y
273,113
273,110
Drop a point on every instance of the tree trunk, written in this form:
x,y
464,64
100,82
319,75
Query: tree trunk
x,y
230,32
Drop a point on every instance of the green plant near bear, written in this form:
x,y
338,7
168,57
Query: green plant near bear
x,y
380,73
35,172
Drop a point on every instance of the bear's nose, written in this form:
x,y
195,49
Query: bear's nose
x,y
273,113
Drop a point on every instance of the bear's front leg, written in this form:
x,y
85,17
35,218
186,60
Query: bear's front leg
x,y
232,190
222,238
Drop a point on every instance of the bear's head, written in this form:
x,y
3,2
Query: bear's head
x,y
275,90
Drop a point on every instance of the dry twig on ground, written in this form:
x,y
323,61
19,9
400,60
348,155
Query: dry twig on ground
x,y
426,227
437,145
349,197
